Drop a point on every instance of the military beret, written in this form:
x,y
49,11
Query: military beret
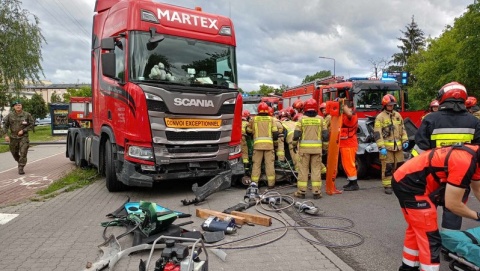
x,y
15,103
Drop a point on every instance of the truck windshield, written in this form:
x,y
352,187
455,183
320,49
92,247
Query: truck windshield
x,y
370,99
181,60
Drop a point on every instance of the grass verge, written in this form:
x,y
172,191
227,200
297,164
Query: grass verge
x,y
41,134
78,178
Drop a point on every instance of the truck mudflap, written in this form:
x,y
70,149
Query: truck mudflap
x,y
218,183
131,177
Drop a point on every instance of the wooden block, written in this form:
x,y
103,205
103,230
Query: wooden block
x,y
254,218
205,213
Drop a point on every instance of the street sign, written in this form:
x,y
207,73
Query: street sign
x,y
401,77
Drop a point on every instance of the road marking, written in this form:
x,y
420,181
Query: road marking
x,y
5,218
34,161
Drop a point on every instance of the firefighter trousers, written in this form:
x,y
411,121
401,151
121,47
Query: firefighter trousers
x,y
257,158
390,162
348,155
244,147
309,163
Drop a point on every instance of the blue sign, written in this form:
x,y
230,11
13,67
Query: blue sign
x,y
401,77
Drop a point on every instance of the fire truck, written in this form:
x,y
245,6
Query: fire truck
x,y
165,99
366,95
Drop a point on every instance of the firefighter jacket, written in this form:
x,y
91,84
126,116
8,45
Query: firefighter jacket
x,y
309,131
244,128
389,131
18,121
348,132
429,172
279,130
289,128
446,127
264,132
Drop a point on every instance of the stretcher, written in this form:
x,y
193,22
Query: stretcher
x,y
462,249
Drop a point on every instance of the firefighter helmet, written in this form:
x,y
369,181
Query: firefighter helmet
x,y
270,111
298,104
323,106
245,114
311,105
470,102
262,108
453,90
388,99
291,111
284,115
434,103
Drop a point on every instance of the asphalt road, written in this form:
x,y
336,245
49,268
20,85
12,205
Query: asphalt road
x,y
368,213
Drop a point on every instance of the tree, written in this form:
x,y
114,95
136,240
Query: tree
x,y
20,46
35,106
379,65
318,75
55,98
85,91
413,40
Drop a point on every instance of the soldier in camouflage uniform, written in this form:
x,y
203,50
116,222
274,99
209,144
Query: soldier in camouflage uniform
x,y
19,123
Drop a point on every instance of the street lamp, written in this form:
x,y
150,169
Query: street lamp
x,y
324,57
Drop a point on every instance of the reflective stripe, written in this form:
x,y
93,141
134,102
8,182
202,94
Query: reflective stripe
x,y
429,267
262,140
352,178
462,137
410,263
454,86
453,131
410,251
317,184
301,184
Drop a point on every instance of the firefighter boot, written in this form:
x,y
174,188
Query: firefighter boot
x,y
405,267
317,193
351,186
299,194
20,170
388,190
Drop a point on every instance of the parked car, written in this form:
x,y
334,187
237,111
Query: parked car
x,y
45,121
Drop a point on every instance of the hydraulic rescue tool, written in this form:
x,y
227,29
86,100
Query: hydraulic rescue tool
x,y
213,224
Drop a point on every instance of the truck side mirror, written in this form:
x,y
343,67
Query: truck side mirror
x,y
108,65
108,44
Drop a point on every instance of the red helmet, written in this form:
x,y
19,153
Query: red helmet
x,y
263,108
297,117
290,111
453,90
323,106
311,105
270,111
245,114
434,103
389,99
284,115
298,104
471,101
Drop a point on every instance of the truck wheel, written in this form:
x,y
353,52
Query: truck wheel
x,y
78,153
362,169
70,148
111,181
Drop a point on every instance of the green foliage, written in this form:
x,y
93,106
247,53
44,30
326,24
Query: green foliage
x,y
55,98
264,90
413,40
76,179
318,75
37,107
85,91
20,46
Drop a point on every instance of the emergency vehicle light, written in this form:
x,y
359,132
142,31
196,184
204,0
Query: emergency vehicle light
x,y
148,16
225,31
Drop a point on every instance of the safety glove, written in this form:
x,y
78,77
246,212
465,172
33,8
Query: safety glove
x,y
383,151
405,145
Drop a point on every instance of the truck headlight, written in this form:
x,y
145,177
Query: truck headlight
x,y
140,152
235,150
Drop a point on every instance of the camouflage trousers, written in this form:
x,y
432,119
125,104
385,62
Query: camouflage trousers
x,y
19,149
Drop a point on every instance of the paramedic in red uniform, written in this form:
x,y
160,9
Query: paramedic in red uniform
x,y
349,146
436,177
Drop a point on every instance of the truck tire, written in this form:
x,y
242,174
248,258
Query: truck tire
x,y
70,148
78,153
361,165
111,181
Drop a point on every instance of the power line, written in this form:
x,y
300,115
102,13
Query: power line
x,y
73,18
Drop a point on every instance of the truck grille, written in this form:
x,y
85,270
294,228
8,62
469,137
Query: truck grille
x,y
191,148
227,109
192,136
158,106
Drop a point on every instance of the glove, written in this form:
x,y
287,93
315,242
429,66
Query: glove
x,y
405,145
383,151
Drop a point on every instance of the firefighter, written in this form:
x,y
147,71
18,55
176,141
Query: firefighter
x,y
279,143
264,132
436,177
349,146
298,105
326,119
449,125
472,107
245,120
391,138
289,128
432,108
309,131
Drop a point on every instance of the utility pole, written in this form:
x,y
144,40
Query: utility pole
x,y
324,57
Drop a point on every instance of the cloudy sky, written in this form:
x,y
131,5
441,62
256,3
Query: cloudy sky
x,y
278,42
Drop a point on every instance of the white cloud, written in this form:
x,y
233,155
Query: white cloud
x,y
278,42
